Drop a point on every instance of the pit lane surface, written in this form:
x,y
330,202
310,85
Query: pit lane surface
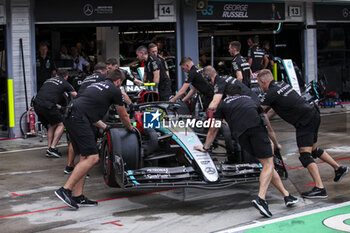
x,y
28,180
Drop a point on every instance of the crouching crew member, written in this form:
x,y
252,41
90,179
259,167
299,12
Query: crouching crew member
x,y
155,73
197,81
242,115
294,109
82,114
48,111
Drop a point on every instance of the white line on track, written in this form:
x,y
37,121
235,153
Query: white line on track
x,y
242,228
21,172
28,149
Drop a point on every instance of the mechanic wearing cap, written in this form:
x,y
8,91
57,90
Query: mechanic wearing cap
x,y
198,82
294,109
246,124
48,111
240,67
155,73
82,113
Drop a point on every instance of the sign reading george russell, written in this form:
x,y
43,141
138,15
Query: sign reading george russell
x,y
242,11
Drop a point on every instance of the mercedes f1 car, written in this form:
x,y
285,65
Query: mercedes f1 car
x,y
163,156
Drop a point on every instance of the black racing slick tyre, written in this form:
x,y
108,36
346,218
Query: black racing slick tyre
x,y
121,151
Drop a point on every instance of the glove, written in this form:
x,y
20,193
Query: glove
x,y
134,130
108,127
132,107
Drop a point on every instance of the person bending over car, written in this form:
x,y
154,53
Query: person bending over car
x,y
197,81
242,115
48,111
99,75
305,117
220,83
82,114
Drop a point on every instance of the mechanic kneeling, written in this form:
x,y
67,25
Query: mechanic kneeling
x,y
82,114
245,123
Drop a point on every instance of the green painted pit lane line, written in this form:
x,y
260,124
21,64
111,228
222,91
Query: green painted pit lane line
x,y
323,222
330,219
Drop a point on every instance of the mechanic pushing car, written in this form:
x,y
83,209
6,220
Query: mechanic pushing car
x,y
246,124
220,83
47,108
155,72
305,117
82,114
99,75
112,63
197,81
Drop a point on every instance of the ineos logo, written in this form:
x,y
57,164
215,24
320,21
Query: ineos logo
x,y
88,9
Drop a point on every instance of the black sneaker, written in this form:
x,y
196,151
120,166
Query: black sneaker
x,y
290,200
262,206
84,201
342,171
68,170
66,196
54,152
315,193
48,154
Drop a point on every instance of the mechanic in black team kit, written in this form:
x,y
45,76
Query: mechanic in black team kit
x,y
291,107
257,58
99,75
47,108
155,73
153,50
242,115
197,81
220,84
83,113
240,67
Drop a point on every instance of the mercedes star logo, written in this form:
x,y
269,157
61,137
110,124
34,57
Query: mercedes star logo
x,y
210,170
88,9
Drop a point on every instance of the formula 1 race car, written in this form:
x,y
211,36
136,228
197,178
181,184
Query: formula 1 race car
x,y
163,155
